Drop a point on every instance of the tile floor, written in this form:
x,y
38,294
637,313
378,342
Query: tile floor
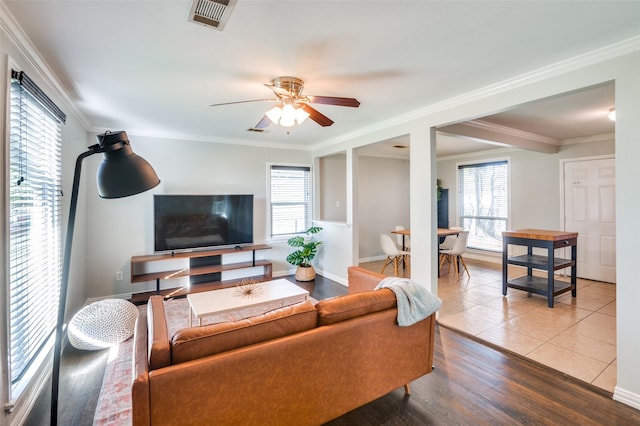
x,y
576,337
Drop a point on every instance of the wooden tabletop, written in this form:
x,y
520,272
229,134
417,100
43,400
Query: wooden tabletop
x,y
540,234
441,232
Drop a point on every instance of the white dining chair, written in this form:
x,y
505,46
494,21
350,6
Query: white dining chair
x,y
454,254
449,240
394,254
400,239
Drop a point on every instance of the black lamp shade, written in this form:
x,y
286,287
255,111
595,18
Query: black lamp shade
x,y
122,173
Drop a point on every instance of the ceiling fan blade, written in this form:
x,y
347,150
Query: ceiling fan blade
x,y
331,100
244,102
317,116
264,122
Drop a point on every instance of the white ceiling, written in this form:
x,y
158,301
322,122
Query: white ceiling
x,y
140,66
580,114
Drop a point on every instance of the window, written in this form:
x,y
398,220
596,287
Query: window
x,y
289,199
34,243
483,203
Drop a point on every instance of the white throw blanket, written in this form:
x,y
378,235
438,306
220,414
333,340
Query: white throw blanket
x,y
415,302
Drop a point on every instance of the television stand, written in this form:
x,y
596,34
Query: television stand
x,y
211,271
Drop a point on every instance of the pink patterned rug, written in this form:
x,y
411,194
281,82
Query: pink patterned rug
x,y
114,403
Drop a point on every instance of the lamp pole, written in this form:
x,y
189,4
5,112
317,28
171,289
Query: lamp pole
x,y
55,376
122,173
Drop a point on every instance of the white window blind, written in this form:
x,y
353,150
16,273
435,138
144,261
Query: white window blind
x,y
35,243
483,203
290,199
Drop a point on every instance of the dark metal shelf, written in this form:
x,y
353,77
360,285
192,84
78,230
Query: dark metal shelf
x,y
539,262
540,239
538,285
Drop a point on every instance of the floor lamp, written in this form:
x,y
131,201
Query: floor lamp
x,y
121,174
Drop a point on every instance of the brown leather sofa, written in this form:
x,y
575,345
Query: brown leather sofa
x,y
301,364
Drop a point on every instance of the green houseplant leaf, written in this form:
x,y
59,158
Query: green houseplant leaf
x,y
306,248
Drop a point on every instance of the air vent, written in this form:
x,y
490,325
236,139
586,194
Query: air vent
x,y
212,13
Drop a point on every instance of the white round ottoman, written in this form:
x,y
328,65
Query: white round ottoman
x,y
102,324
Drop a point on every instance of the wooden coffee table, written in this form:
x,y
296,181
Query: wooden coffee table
x,y
233,304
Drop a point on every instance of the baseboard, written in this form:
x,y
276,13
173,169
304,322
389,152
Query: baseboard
x,y
624,396
372,259
483,256
339,280
284,273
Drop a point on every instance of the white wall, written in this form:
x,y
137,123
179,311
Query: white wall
x,y
627,229
333,188
383,200
122,228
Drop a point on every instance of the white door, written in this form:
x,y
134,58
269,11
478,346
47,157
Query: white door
x,y
590,210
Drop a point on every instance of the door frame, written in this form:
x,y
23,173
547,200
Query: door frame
x,y
562,164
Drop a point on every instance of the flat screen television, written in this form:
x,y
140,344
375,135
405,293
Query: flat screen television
x,y
186,222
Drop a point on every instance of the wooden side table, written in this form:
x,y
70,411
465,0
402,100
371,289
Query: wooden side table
x,y
549,240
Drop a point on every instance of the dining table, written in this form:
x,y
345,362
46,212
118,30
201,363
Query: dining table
x,y
442,232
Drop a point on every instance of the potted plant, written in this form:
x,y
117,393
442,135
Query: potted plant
x,y
306,250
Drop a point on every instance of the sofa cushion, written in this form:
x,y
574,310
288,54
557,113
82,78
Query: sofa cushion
x,y
349,306
197,342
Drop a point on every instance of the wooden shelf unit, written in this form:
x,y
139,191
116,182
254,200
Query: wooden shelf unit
x,y
139,262
549,240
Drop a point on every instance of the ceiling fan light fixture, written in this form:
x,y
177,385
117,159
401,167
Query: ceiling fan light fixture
x,y
292,107
288,118
301,115
274,114
612,114
287,115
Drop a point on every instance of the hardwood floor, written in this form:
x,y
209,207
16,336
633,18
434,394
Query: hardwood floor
x,y
472,384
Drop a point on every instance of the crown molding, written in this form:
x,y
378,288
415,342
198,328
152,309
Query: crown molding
x,y
587,139
488,153
12,29
593,57
216,140
510,131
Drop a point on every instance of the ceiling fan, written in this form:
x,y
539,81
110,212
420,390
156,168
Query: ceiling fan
x,y
293,107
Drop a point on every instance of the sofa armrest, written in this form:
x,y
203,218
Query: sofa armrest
x,y
140,394
159,349
362,280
